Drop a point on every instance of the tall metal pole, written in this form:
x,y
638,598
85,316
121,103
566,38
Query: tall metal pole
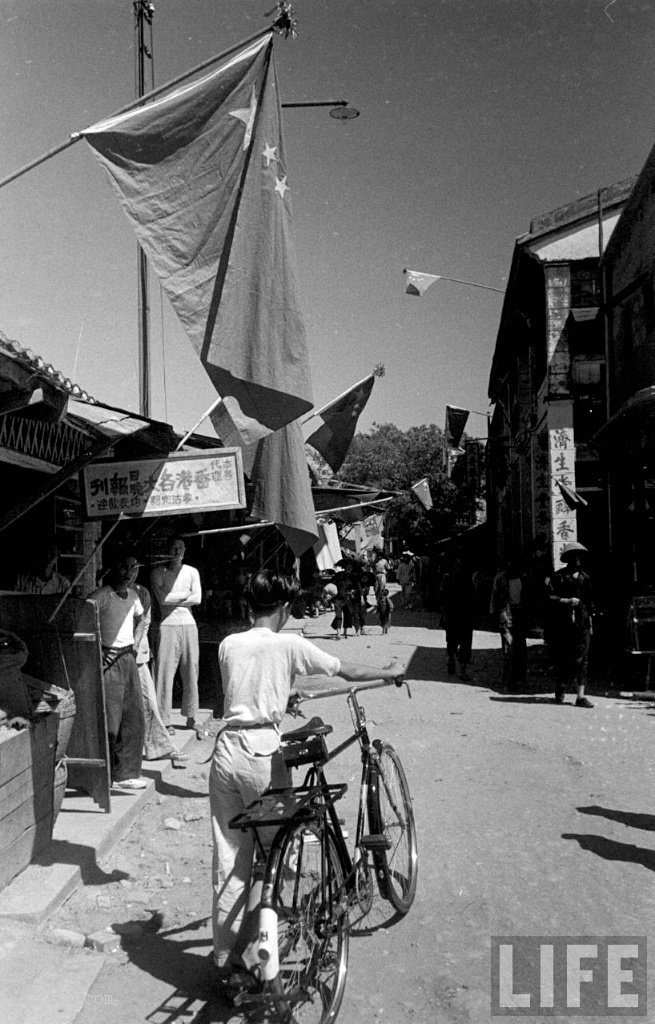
x,y
144,11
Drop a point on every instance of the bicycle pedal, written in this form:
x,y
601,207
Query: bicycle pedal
x,y
374,842
251,998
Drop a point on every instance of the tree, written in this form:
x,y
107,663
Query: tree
x,y
391,459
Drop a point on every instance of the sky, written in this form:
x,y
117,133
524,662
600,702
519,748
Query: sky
x,y
475,117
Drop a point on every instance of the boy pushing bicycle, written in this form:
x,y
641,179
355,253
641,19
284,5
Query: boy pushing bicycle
x,y
258,670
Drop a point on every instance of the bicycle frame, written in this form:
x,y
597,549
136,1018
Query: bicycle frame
x,y
316,776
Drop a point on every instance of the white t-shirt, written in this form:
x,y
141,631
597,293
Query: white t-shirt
x,y
258,669
117,615
175,586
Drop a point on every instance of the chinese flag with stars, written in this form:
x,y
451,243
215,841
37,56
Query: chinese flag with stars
x,y
332,438
202,176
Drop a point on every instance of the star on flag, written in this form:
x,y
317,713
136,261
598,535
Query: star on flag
x,y
281,185
270,154
247,115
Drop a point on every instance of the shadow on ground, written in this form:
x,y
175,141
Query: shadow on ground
x,y
628,818
610,849
60,851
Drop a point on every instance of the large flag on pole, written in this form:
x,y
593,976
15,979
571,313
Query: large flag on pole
x,y
455,423
201,174
418,283
337,423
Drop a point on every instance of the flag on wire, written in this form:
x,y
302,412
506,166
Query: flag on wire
x,y
339,421
418,283
202,176
455,423
422,491
282,487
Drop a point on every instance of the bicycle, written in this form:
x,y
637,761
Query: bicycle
x,y
311,880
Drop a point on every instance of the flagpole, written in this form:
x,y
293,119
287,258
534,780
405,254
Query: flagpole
x,y
472,284
257,526
76,136
144,13
202,419
333,401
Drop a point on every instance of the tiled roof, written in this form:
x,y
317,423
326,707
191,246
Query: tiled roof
x,y
43,370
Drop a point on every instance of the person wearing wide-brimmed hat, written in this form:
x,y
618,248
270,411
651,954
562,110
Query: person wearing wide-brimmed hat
x,y
571,602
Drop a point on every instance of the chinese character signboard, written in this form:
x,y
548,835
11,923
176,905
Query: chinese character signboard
x,y
182,482
562,470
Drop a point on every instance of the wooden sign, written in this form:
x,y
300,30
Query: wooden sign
x,y
182,482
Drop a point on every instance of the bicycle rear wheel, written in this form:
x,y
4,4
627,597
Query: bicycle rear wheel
x,y
310,901
391,815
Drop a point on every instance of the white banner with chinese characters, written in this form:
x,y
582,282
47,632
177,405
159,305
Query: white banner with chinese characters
x,y
562,470
182,482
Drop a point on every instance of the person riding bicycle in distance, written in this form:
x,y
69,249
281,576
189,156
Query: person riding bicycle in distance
x,y
258,670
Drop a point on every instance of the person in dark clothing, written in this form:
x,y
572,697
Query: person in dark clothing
x,y
569,634
385,608
119,612
457,611
510,608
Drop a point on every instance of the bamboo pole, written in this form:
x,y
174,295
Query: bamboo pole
x,y
472,284
76,136
202,419
333,401
257,526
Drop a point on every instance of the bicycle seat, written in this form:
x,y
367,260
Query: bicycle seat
x,y
314,727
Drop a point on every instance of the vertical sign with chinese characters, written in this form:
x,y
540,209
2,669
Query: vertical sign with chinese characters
x,y
562,470
182,482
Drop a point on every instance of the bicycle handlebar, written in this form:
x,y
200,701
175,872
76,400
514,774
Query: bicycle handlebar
x,y
374,684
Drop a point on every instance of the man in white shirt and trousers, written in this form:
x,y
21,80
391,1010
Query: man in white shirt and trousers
x,y
176,589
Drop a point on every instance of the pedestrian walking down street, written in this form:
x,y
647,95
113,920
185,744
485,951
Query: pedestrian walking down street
x,y
119,611
569,631
385,608
406,576
177,590
381,568
258,669
510,609
457,612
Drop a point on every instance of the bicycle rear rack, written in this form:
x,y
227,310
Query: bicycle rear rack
x,y
276,806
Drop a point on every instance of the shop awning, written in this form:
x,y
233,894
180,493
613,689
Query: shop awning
x,y
635,420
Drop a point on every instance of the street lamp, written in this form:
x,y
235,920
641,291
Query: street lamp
x,y
340,112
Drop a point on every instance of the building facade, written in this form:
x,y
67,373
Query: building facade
x,y
627,442
546,485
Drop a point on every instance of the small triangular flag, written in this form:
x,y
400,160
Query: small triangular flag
x,y
418,283
422,491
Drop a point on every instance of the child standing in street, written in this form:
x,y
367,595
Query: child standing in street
x,y
385,608
258,669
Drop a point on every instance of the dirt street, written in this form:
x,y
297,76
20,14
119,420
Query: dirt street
x,y
532,819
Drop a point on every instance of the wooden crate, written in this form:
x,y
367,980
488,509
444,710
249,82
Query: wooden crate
x,y
27,772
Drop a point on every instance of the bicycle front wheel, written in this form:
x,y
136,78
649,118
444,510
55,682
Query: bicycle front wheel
x,y
391,816
310,901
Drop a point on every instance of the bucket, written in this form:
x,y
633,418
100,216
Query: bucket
x,y
66,713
